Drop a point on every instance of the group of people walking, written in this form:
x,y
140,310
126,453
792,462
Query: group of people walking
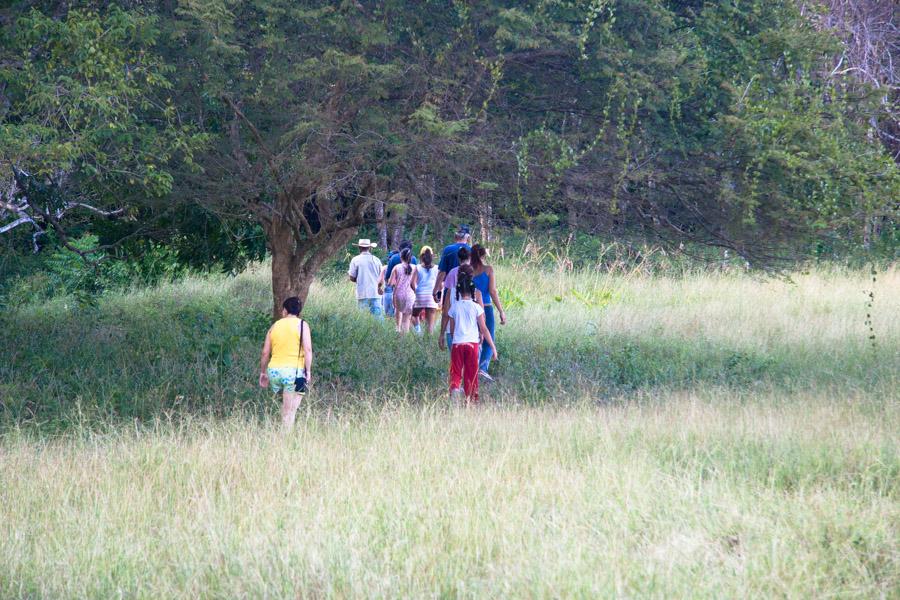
x,y
412,290
461,286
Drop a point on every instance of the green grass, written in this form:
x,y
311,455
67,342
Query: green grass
x,y
193,345
712,435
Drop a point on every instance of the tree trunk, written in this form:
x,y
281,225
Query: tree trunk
x,y
485,220
296,260
868,222
397,235
382,224
572,216
286,281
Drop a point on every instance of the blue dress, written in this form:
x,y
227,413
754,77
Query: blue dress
x,y
483,284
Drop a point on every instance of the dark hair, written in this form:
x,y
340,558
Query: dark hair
x,y
427,259
478,254
462,232
405,244
464,283
406,257
463,253
293,305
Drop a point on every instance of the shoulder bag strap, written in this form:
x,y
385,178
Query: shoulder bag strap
x,y
300,353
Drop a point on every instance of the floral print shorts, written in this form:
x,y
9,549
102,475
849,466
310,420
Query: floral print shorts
x,y
281,379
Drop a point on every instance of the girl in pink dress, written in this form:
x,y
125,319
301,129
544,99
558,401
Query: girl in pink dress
x,y
403,279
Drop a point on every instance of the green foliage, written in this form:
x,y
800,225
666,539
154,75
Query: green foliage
x,y
88,271
594,297
91,106
723,122
799,140
427,117
719,123
509,298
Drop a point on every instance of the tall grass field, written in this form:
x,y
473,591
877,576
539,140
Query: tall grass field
x,y
700,435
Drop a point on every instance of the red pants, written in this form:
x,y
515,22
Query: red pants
x,y
464,368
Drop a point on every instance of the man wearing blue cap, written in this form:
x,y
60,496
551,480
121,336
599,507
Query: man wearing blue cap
x,y
450,258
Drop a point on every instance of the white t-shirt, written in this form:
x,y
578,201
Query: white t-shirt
x,y
465,315
366,268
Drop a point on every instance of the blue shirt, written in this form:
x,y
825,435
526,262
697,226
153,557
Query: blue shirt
x,y
393,261
450,257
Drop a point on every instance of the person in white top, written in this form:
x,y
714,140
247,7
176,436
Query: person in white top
x,y
365,271
425,308
467,329
448,298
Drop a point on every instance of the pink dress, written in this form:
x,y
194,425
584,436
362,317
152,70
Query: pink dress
x,y
404,295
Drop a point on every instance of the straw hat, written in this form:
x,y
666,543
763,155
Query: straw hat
x,y
365,243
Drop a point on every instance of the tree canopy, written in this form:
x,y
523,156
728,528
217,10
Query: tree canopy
x,y
719,122
90,125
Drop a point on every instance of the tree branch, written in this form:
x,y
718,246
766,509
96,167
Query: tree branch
x,y
16,223
272,159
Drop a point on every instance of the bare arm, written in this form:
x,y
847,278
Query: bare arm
x,y
264,359
445,318
307,351
495,297
486,335
414,279
438,284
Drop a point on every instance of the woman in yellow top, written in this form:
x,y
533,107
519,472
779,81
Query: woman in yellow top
x,y
286,362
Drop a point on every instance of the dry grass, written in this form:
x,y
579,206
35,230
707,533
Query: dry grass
x,y
711,436
679,494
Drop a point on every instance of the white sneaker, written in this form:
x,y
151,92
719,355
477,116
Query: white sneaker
x,y
484,375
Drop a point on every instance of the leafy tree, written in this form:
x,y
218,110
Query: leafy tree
x,y
319,110
715,121
705,121
90,127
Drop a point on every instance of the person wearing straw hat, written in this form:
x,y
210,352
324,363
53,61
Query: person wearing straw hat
x,y
365,271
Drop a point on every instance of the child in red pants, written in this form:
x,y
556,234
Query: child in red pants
x,y
467,329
